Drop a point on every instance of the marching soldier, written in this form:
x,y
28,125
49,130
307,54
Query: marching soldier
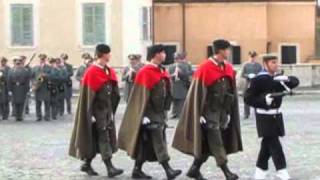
x,y
4,96
18,86
94,129
142,132
129,73
209,124
180,73
40,87
249,71
61,85
87,61
270,124
68,91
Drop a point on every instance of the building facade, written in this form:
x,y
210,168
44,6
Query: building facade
x,y
74,27
285,27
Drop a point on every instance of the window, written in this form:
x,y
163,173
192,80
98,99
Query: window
x,y
21,25
289,54
170,49
235,57
146,23
93,24
235,54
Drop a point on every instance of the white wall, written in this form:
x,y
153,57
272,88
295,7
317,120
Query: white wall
x,y
132,32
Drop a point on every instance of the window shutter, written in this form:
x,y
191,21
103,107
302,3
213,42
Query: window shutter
x,y
22,25
93,23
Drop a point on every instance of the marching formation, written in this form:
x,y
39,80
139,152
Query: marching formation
x,y
205,101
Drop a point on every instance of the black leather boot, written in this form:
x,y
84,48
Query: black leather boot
x,y
228,174
112,171
194,171
86,167
137,172
171,173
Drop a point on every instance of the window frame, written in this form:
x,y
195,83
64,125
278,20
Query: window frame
x,y
107,9
8,21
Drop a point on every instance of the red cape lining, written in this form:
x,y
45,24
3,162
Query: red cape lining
x,y
150,75
209,73
95,77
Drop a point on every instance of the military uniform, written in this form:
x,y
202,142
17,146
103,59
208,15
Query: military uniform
x,y
62,89
270,124
68,92
42,93
18,79
94,129
53,87
209,124
146,141
4,96
249,71
180,85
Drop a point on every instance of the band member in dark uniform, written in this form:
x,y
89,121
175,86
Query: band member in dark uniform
x,y
94,129
270,125
142,133
209,124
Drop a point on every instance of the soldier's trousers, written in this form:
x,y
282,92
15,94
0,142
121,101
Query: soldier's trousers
x,y
5,110
271,147
60,102
246,110
104,143
19,110
54,108
177,107
155,136
46,109
68,102
214,142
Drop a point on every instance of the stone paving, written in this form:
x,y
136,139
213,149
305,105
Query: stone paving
x,y
32,150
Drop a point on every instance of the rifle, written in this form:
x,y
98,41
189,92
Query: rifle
x,y
284,93
31,59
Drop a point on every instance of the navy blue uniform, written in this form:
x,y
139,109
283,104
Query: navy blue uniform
x,y
269,118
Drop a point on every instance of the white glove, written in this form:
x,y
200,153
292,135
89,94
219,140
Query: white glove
x,y
10,93
225,126
251,75
146,121
269,99
93,119
203,120
281,78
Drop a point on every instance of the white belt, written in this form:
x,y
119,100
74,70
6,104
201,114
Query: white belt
x,y
269,111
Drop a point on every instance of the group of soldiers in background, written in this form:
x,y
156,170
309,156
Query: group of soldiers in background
x,y
50,82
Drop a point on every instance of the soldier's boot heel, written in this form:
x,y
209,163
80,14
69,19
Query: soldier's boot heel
x,y
86,167
171,173
112,171
195,173
137,172
228,174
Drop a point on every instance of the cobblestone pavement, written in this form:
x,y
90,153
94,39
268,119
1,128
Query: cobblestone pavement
x,y
38,150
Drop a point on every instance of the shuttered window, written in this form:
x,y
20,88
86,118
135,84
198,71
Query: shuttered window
x,y
94,25
22,31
